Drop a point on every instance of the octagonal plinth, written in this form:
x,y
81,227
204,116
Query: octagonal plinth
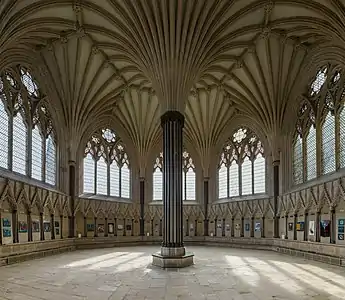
x,y
183,261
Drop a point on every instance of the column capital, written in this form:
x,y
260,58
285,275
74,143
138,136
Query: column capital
x,y
141,178
172,115
276,163
206,178
71,163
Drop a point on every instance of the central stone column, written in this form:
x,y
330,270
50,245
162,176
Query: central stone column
x,y
172,253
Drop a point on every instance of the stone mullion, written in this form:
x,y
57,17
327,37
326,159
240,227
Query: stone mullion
x,y
120,181
10,142
252,161
108,178
72,184
95,185
228,181
28,153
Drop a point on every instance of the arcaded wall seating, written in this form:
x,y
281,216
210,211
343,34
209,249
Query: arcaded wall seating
x,y
332,254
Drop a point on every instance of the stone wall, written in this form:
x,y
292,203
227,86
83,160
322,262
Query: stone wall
x,y
21,202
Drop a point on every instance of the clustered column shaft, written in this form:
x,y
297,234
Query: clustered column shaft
x,y
172,123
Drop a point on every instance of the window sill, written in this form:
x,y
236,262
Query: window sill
x,y
6,174
317,181
185,202
242,198
105,198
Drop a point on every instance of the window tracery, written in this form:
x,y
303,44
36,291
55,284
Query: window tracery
x,y
320,128
242,167
188,178
27,137
106,165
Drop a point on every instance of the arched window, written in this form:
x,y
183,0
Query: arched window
x,y
33,147
158,178
19,138
242,167
321,112
188,178
106,166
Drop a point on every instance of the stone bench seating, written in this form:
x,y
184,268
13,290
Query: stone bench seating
x,y
328,253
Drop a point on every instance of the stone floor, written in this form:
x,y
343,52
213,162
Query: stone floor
x,y
126,273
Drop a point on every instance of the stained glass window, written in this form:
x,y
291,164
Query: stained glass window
x,y
298,161
114,179
125,181
3,133
223,182
234,183
328,144
260,174
311,153
342,138
243,152
89,174
19,144
50,161
102,177
247,177
107,149
37,154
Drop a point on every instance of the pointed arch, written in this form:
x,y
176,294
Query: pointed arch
x,y
106,166
242,166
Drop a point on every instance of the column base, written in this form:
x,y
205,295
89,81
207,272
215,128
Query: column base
x,y
173,258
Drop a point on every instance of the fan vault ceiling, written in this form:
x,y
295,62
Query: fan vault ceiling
x,y
132,60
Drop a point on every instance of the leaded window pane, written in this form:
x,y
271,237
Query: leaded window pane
x,y
328,144
246,177
259,174
89,174
3,136
234,180
102,177
223,182
37,154
342,138
125,182
50,161
298,161
190,185
157,184
114,180
311,153
19,145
